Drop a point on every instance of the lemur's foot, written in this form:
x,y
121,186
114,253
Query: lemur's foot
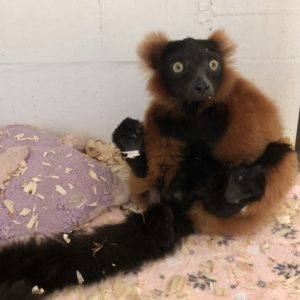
x,y
178,196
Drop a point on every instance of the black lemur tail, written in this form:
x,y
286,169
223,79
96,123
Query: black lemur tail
x,y
19,290
54,263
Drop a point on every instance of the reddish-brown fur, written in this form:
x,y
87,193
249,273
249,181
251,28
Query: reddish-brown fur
x,y
254,123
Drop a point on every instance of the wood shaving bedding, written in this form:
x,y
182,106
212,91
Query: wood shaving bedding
x,y
108,154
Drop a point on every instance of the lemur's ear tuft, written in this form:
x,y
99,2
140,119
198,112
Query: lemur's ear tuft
x,y
224,43
227,47
150,50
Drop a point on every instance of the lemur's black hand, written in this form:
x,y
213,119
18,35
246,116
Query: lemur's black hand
x,y
129,136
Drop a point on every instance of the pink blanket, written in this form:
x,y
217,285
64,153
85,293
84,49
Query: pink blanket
x,y
262,266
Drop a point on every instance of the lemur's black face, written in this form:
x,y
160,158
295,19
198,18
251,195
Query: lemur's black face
x,y
190,69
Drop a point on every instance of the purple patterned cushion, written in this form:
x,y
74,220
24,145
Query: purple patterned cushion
x,y
56,189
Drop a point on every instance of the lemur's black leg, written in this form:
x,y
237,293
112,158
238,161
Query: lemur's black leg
x,y
224,191
53,263
129,136
188,186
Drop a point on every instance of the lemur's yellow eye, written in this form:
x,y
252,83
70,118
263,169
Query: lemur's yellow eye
x,y
213,64
177,67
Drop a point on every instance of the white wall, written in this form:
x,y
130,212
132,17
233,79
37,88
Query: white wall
x,y
70,65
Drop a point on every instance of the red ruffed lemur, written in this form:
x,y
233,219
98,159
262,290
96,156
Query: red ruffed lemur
x,y
203,110
211,158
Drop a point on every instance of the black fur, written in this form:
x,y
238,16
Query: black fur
x,y
52,263
170,126
208,127
198,131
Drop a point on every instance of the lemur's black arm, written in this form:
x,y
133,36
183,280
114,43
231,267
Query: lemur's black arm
x,y
198,131
54,264
129,136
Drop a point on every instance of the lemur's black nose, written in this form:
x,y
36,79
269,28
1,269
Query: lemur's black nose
x,y
201,85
